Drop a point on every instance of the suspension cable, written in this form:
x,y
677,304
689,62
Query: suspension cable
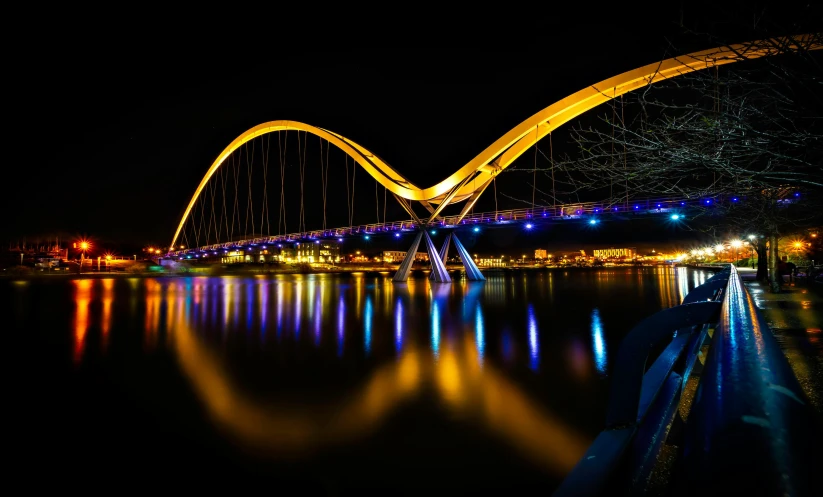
x,y
534,173
225,212
348,192
494,182
265,211
385,192
250,203
377,201
283,150
236,174
551,159
623,132
353,175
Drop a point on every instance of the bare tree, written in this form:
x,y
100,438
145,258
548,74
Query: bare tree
x,y
746,139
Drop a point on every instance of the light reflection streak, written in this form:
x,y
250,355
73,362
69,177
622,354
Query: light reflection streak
x,y
82,299
279,309
480,334
398,325
435,328
318,316
341,325
298,307
598,342
105,324
482,393
263,297
367,325
683,282
534,346
249,305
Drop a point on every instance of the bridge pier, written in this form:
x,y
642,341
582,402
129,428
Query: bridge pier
x,y
438,260
444,253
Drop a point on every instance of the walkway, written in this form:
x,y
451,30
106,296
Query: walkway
x,y
796,318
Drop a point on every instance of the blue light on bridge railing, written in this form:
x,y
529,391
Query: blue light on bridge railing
x,y
708,201
476,229
734,199
682,203
367,237
636,206
597,210
339,239
434,232
659,205
615,208
592,221
675,217
797,194
529,226
397,235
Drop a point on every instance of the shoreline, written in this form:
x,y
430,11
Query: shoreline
x,y
260,271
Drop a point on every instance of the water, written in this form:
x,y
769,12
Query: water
x,y
324,383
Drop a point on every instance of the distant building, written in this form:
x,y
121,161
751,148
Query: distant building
x,y
399,255
319,251
491,262
615,253
541,254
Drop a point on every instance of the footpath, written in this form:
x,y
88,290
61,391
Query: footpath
x,y
795,316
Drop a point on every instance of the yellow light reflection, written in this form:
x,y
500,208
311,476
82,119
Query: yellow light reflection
x,y
105,322
82,298
481,393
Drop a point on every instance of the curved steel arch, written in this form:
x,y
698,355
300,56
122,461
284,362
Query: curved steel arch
x,y
462,184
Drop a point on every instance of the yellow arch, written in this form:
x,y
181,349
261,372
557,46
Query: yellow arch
x,y
500,154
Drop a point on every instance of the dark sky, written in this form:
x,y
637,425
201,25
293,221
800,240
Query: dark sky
x,y
116,120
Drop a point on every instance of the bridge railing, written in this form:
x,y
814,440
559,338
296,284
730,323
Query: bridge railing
x,y
575,211
749,427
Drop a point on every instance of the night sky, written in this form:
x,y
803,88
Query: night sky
x,y
115,124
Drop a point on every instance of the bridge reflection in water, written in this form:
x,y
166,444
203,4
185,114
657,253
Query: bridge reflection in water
x,y
347,354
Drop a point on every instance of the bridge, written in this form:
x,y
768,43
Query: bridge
x,y
205,216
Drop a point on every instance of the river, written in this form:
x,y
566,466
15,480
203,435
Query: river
x,y
323,384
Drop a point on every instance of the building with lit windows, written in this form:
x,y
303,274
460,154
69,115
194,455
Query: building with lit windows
x,y
398,256
541,254
615,253
317,251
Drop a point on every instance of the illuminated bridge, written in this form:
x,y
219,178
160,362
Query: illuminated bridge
x,y
233,206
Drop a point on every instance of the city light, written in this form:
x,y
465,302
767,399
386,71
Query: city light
x,y
751,237
719,248
736,243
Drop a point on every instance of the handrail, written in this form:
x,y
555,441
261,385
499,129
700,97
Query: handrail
x,y
752,430
642,402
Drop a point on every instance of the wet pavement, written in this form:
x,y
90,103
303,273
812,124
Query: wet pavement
x,y
796,318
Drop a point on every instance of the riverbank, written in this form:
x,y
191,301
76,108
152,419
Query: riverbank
x,y
267,269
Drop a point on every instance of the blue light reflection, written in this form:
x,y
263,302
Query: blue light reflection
x,y
480,333
598,342
367,325
534,345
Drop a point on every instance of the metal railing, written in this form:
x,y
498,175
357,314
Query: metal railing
x,y
566,212
749,430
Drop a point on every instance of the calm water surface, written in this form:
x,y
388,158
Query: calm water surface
x,y
325,383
